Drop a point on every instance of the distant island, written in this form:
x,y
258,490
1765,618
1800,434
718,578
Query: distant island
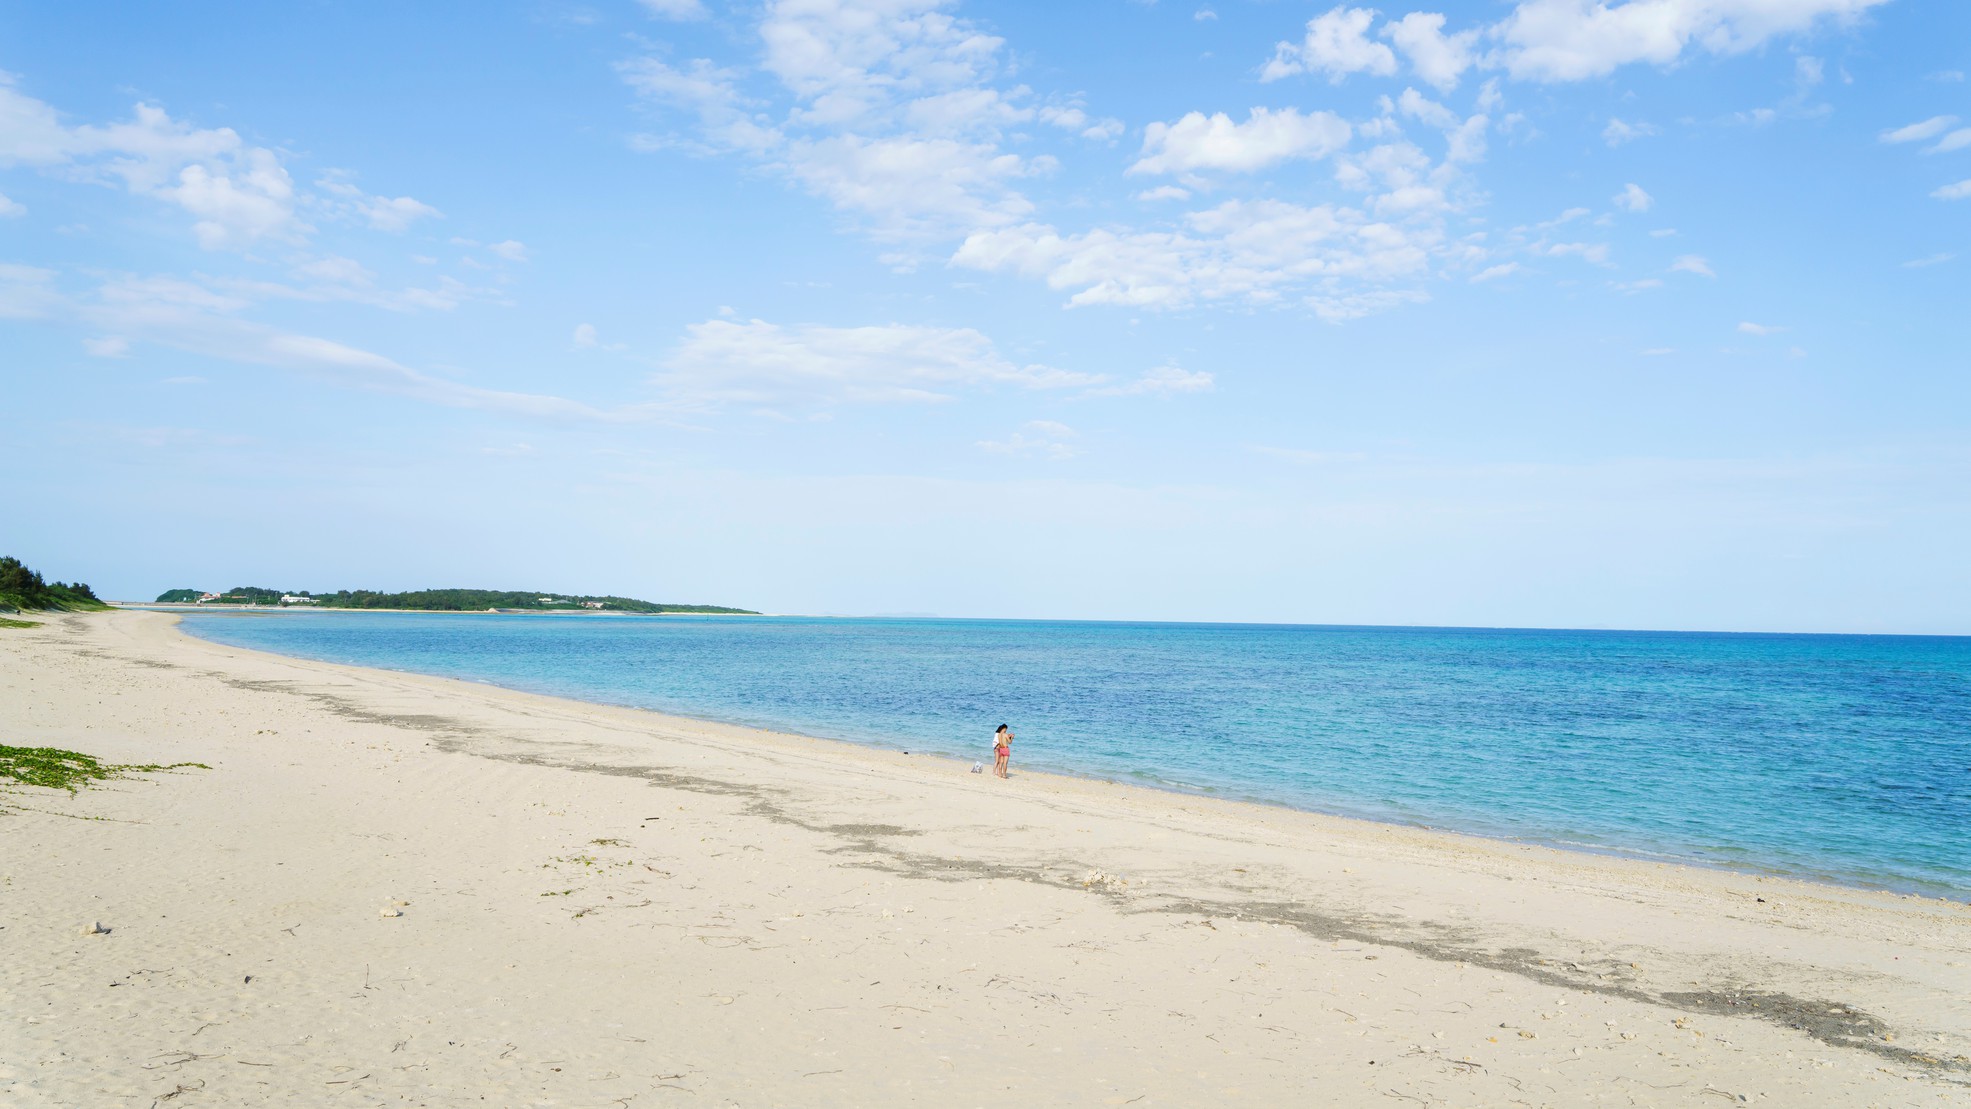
x,y
437,600
23,590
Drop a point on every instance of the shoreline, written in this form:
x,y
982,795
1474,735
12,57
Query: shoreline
x,y
1641,855
600,903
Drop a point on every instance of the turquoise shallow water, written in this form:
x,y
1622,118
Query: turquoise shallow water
x,y
1830,756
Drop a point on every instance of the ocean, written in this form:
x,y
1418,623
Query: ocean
x,y
1844,758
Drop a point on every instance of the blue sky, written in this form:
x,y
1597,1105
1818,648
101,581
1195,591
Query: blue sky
x,y
1550,312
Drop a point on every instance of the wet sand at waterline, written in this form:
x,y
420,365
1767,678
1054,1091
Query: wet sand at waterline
x,y
598,906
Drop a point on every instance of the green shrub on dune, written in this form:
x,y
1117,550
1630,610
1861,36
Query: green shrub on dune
x,y
22,589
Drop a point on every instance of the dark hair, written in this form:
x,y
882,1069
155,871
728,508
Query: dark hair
x,y
999,729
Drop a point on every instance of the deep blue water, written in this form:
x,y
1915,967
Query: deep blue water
x,y
1834,756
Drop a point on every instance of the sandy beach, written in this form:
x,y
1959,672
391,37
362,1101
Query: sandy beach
x,y
609,907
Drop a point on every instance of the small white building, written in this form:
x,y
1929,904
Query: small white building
x,y
591,604
290,599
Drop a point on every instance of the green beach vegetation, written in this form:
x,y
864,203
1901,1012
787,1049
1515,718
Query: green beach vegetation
x,y
23,590
439,600
54,768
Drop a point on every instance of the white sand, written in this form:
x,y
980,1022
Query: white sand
x,y
615,908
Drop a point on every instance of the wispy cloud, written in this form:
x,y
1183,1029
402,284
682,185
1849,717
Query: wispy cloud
x,y
1163,381
1693,263
728,362
1917,132
1036,438
1632,198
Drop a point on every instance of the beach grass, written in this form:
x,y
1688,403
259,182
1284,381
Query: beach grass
x,y
8,622
53,768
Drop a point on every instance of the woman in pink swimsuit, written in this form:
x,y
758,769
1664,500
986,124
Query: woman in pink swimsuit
x,y
1002,750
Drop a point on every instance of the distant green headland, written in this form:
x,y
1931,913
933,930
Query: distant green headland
x,y
23,590
436,600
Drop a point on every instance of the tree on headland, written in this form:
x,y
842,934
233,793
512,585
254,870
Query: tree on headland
x,y
23,589
442,600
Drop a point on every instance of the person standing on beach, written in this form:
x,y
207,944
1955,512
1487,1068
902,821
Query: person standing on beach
x,y
1002,750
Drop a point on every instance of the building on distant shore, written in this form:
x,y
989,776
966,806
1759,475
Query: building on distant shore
x,y
591,604
291,599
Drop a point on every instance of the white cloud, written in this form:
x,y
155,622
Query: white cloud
x,y
1663,233
1072,118
1436,57
1493,273
397,213
1566,217
26,292
11,208
1422,108
1249,250
1200,142
1932,260
1036,438
1917,132
1204,15
890,112
191,317
1557,40
1749,328
760,363
903,116
1632,198
1571,40
334,278
727,120
1956,140
1161,382
585,337
233,208
235,193
197,318
336,270
675,9
1644,285
855,61
908,187
1692,263
1592,253
1337,44
1618,132
381,212
1954,192
510,250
